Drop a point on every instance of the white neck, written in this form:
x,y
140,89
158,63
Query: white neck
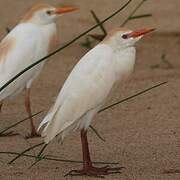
x,y
117,45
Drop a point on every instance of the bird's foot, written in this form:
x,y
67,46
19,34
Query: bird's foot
x,y
9,134
95,172
33,134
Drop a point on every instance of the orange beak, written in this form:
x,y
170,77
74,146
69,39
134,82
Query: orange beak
x,y
137,33
64,10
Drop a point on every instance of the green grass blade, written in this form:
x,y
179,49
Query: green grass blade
x,y
19,122
140,16
133,96
57,159
39,156
26,150
132,13
97,134
98,22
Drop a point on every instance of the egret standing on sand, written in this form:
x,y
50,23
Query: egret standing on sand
x,y
86,89
28,42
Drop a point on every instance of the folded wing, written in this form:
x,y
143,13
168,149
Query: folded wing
x,y
85,89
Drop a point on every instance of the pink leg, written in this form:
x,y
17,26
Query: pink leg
x,y
1,104
28,109
88,168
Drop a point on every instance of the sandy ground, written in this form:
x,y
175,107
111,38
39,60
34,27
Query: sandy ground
x,y
142,134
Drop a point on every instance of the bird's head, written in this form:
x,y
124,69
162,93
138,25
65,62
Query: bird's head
x,y
125,38
45,14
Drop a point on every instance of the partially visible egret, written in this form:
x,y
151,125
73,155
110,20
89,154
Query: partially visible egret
x,y
29,41
87,88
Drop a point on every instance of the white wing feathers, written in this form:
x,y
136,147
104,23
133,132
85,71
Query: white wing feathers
x,y
21,53
82,91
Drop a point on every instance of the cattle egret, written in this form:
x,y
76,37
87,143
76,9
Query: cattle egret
x,y
86,89
29,41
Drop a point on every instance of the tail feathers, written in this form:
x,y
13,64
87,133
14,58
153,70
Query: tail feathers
x,y
52,112
62,121
48,117
51,130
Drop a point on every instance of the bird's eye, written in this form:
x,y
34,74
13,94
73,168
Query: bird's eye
x,y
49,12
125,36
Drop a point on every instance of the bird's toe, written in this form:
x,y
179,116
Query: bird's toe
x,y
95,172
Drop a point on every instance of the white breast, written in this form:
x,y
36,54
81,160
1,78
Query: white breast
x,y
32,44
125,61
